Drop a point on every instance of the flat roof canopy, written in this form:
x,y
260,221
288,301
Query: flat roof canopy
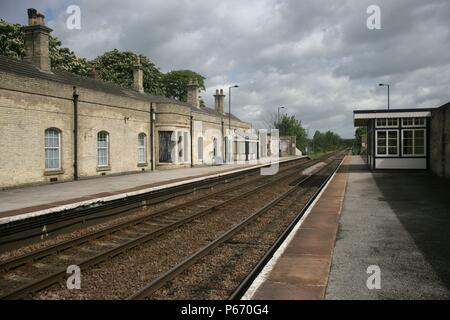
x,y
362,117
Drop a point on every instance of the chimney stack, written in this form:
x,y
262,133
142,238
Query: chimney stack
x,y
219,99
138,76
93,73
37,36
192,93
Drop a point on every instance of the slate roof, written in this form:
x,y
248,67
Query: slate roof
x,y
25,69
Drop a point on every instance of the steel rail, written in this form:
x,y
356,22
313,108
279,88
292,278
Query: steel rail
x,y
239,292
41,253
53,278
31,227
189,261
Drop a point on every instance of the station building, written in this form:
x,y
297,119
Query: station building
x,y
407,138
56,126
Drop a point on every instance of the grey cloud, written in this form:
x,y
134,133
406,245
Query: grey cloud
x,y
315,57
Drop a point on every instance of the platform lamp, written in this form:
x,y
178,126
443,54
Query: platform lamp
x,y
229,105
278,117
388,86
278,124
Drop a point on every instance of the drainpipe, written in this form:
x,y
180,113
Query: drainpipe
x,y
152,135
75,133
223,143
192,141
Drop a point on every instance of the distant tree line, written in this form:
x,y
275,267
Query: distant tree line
x,y
113,66
328,141
320,142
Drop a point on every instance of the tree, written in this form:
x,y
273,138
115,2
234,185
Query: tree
x,y
66,60
117,67
175,83
359,133
290,126
11,40
328,141
12,45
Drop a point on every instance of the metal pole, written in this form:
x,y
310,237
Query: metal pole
x,y
152,138
229,109
75,133
388,97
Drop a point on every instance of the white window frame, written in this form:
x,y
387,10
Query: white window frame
x,y
142,148
413,143
387,155
387,125
52,148
413,122
107,149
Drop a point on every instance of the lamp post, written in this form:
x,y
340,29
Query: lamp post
x,y
229,106
278,117
278,123
388,86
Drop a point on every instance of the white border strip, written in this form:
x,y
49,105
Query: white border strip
x,y
99,201
262,277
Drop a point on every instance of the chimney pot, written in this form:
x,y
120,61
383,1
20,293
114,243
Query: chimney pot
x,y
219,99
138,75
93,73
37,36
192,93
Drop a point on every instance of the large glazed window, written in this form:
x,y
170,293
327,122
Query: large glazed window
x,y
103,149
52,149
142,148
167,143
413,142
387,143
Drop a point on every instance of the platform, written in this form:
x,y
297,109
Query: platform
x,y
399,222
21,203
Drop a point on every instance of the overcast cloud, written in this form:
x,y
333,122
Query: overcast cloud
x,y
317,58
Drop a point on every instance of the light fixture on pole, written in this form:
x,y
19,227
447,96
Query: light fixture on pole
x,y
388,86
229,106
278,117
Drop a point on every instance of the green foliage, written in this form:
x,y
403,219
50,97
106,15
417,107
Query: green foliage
x,y
12,45
359,133
328,141
66,60
11,40
114,66
117,67
290,126
175,83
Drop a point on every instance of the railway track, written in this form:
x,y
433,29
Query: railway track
x,y
94,248
29,230
214,271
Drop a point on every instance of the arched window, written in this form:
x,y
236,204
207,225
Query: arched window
x,y
52,149
103,149
142,148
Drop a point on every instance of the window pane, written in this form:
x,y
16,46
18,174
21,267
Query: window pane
x,y
407,150
51,141
381,150
102,149
419,150
166,146
392,150
392,134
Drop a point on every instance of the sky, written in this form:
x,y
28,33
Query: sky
x,y
316,58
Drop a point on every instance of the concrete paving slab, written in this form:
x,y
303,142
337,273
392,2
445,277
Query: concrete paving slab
x,y
301,270
399,222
